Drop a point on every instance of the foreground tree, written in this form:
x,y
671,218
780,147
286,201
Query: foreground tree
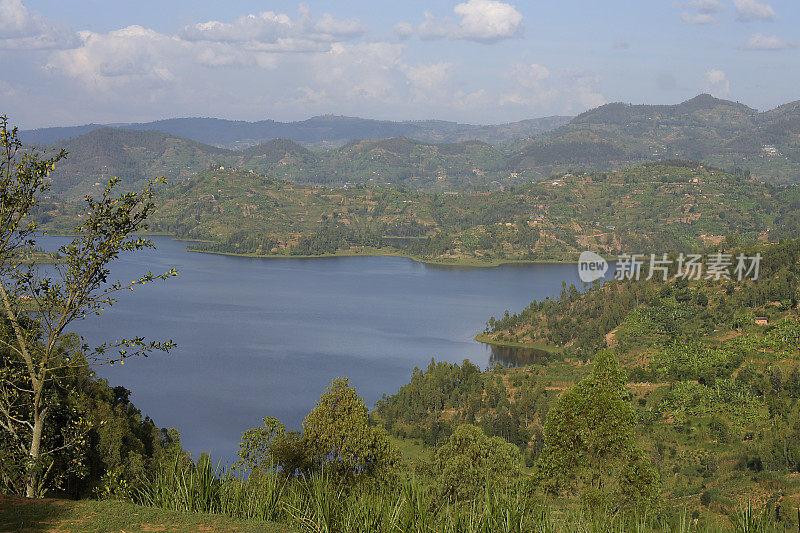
x,y
589,440
40,305
337,440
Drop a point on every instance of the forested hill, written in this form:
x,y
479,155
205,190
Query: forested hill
x,y
326,130
704,128
133,156
670,206
614,136
631,314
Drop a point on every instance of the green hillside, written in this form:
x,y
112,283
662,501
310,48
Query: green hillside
x,y
133,156
671,206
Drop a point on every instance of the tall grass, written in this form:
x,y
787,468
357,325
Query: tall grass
x,y
316,504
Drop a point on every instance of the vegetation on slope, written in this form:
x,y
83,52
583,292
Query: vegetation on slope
x,y
678,206
713,372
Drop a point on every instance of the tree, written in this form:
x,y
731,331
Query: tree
x,y
256,451
339,439
469,460
589,438
39,306
270,448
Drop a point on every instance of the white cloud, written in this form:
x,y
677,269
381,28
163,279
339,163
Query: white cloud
x,y
110,61
311,97
223,55
106,61
429,81
753,10
279,29
429,75
571,90
706,6
403,30
488,20
764,42
485,21
716,82
435,28
702,11
241,69
334,29
359,70
529,75
586,88
22,30
698,18
463,100
267,26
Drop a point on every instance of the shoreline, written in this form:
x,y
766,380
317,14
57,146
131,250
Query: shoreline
x,y
485,339
465,263
460,262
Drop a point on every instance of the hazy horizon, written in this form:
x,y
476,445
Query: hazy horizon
x,y
521,119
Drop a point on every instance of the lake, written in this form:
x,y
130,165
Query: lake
x,y
264,337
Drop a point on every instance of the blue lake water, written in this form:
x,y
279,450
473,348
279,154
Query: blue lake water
x,y
264,337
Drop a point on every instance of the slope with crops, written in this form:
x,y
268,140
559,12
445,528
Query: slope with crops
x,y
678,206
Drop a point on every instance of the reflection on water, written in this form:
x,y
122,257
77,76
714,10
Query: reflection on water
x,y
511,356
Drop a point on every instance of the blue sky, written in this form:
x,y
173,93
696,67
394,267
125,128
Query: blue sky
x,y
479,61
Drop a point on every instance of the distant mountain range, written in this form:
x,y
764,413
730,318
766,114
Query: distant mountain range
x,y
325,131
613,136
137,155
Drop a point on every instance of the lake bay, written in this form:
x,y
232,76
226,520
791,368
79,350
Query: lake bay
x,y
264,337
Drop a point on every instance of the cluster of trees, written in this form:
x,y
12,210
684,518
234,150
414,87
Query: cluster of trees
x,y
436,401
95,442
587,444
339,441
334,236
571,152
581,320
709,372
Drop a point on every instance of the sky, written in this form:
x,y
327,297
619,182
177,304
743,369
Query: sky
x,y
475,61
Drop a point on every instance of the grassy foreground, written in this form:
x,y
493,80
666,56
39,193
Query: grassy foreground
x,y
20,514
